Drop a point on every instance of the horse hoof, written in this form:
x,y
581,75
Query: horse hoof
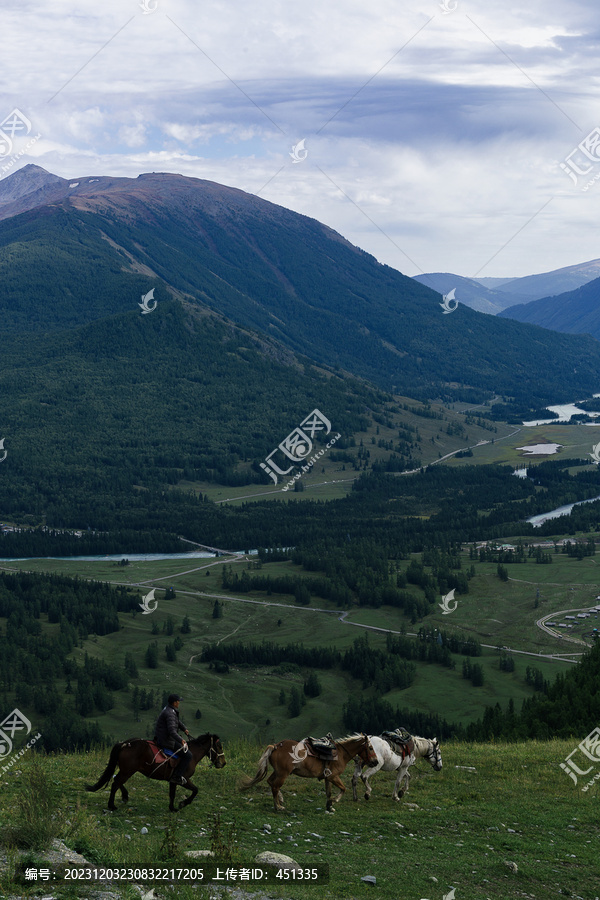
x,y
367,796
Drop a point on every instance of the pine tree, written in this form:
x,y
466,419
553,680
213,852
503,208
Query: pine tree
x,y
295,704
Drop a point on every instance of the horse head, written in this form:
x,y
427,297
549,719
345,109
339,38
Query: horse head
x,y
210,745
368,755
434,755
215,753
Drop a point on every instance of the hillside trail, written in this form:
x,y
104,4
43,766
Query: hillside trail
x,y
225,636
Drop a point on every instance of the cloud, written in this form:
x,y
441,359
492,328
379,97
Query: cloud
x,y
433,140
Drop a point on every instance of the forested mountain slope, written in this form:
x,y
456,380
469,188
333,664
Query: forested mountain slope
x,y
100,242
574,312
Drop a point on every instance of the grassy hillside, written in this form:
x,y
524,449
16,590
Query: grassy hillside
x,y
517,807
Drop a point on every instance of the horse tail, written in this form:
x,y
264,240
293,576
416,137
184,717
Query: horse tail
x,y
109,770
263,765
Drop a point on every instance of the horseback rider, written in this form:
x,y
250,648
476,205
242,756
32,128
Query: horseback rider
x,y
165,735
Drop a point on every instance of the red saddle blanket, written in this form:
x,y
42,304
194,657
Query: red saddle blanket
x,y
160,757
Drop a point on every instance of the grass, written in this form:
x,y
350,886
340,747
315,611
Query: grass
x,y
245,702
517,806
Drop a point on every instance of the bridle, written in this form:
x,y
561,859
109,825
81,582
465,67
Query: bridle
x,y
433,755
213,753
372,759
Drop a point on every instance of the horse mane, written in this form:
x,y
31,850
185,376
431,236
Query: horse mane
x,y
350,737
204,737
422,743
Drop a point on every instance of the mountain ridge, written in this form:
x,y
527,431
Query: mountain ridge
x,y
104,241
572,312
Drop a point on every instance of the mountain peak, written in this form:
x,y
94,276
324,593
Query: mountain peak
x,y
26,181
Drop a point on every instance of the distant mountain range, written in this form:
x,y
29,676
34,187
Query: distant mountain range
x,y
477,296
493,295
75,251
574,312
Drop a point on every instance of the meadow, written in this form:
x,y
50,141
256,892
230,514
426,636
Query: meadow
x,y
513,805
245,702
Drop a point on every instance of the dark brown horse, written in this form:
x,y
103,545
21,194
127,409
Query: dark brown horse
x,y
292,758
137,755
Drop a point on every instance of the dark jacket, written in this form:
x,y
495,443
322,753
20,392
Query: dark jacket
x,y
167,726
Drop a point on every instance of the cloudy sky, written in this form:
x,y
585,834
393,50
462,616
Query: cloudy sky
x,y
436,134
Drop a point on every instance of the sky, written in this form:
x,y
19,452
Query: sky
x,y
439,135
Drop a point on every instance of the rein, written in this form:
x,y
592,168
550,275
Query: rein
x,y
213,750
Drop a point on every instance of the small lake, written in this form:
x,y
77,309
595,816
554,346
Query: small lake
x,y
538,520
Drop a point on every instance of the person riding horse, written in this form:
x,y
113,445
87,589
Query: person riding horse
x,y
165,735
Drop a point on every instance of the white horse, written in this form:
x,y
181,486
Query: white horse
x,y
390,761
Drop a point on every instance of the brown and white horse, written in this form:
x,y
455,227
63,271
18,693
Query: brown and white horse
x,y
292,758
388,760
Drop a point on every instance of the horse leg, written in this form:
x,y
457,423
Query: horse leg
x,y
357,774
118,782
124,794
193,791
403,775
365,776
276,782
334,779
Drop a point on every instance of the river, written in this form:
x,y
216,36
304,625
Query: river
x,y
117,557
538,520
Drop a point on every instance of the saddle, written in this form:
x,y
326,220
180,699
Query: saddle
x,y
162,755
322,748
400,740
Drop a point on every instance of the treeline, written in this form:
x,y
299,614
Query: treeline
x,y
37,542
271,654
384,517
382,669
569,707
362,574
300,588
376,715
33,660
